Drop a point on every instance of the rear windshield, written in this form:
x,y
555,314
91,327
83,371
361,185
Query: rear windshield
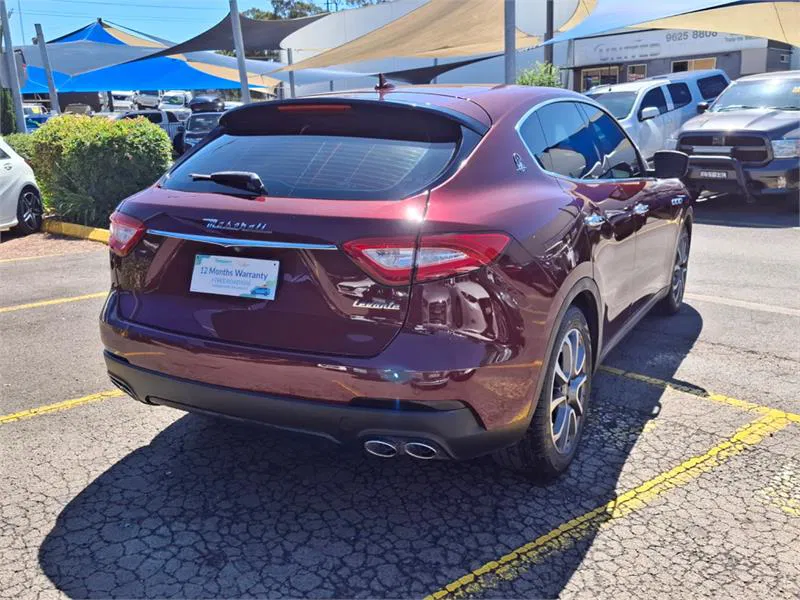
x,y
618,104
202,123
357,155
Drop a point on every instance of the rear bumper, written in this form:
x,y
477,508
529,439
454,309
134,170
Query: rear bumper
x,y
454,429
776,178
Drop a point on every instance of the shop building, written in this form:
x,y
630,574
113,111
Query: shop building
x,y
623,57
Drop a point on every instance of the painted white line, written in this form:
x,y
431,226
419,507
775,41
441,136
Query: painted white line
x,y
779,310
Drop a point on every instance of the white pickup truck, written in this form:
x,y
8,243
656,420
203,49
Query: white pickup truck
x,y
171,121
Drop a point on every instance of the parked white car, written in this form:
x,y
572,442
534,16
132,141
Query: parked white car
x,y
20,200
651,110
146,99
174,99
123,100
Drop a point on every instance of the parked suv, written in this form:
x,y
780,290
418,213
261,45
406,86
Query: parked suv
x,y
147,99
748,141
651,110
405,269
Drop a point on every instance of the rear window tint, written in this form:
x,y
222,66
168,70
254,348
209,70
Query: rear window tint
x,y
681,96
368,152
711,87
328,167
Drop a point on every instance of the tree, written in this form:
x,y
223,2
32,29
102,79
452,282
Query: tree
x,y
8,117
294,9
541,74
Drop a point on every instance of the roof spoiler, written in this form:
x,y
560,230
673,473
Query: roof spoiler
x,y
250,111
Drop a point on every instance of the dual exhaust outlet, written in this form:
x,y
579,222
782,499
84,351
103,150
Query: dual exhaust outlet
x,y
390,449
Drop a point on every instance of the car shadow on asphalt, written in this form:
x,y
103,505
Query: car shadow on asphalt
x,y
213,508
732,211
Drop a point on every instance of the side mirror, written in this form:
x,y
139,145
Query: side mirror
x,y
669,164
649,112
702,107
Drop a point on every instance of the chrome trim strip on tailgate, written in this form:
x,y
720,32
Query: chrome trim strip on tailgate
x,y
240,243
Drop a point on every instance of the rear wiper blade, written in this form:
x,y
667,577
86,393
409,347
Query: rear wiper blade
x,y
785,107
244,180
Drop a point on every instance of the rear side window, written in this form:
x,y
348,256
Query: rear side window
x,y
3,155
680,94
711,87
171,117
533,135
654,97
570,148
353,154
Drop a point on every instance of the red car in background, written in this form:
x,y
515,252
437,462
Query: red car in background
x,y
427,271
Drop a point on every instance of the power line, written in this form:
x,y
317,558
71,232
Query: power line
x,y
126,17
170,6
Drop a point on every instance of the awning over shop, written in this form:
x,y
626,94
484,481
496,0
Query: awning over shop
x,y
440,28
258,35
759,18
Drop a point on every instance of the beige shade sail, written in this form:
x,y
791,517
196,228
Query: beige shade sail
x,y
584,8
440,28
778,21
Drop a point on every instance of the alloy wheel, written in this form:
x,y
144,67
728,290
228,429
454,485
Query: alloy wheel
x,y
31,211
568,391
679,270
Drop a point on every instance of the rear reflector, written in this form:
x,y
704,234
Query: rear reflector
x,y
393,261
124,233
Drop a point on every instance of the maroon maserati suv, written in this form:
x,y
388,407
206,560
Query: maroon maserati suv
x,y
427,271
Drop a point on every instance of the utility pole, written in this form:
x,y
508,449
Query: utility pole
x,y
21,22
290,60
238,42
548,35
51,84
510,39
11,63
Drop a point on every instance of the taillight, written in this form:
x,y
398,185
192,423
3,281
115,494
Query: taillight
x,y
125,233
392,261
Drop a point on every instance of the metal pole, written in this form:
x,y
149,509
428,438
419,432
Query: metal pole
x,y
509,36
291,73
435,64
51,84
548,35
330,85
238,43
11,63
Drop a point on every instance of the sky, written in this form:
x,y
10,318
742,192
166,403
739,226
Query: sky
x,y
174,20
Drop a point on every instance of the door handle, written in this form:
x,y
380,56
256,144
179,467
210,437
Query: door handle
x,y
594,221
641,209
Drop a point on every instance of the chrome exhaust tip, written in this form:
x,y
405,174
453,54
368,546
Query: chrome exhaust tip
x,y
380,448
421,450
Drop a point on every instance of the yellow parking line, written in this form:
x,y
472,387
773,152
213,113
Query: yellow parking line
x,y
5,309
58,406
10,260
701,393
511,565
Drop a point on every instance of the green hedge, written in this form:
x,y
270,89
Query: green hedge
x,y
22,143
85,166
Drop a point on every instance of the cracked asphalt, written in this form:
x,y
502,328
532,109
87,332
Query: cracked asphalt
x,y
687,483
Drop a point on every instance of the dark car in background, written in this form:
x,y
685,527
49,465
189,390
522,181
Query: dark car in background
x,y
434,272
748,141
198,126
206,103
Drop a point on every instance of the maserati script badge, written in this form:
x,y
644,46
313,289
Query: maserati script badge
x,y
229,225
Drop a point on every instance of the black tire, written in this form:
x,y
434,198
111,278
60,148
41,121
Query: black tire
x,y
29,211
537,454
672,302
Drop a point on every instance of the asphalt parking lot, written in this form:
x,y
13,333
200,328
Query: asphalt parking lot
x,y
687,484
